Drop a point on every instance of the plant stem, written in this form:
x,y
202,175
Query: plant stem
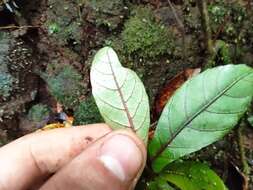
x,y
181,27
246,168
16,27
249,5
149,172
153,125
202,5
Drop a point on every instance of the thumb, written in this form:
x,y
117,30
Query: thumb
x,y
114,162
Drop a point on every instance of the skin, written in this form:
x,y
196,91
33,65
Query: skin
x,y
88,157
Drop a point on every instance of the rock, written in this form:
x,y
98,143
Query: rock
x,y
166,16
106,13
6,79
63,22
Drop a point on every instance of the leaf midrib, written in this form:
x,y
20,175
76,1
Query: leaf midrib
x,y
195,115
121,95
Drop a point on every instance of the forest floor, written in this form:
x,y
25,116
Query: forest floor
x,y
46,44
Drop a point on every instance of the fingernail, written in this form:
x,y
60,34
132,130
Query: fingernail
x,y
122,157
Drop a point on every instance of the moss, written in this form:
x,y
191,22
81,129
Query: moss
x,y
38,113
223,49
145,37
229,16
218,13
65,86
87,113
53,28
221,56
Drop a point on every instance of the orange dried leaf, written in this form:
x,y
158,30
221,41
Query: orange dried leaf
x,y
52,126
170,87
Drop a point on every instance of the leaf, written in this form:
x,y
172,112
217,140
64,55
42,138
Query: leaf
x,y
170,87
250,120
159,184
193,176
201,112
119,94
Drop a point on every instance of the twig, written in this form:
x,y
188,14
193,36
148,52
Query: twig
x,y
221,28
17,27
181,27
153,125
249,5
149,172
206,28
180,23
205,24
246,168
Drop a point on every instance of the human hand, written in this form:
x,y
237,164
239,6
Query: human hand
x,y
91,157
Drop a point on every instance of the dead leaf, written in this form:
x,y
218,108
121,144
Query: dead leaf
x,y
170,87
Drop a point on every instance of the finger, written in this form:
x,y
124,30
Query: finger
x,y
38,155
114,162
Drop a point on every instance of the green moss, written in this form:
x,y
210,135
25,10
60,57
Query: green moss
x,y
229,16
145,37
221,54
218,13
65,86
53,28
38,113
223,49
87,113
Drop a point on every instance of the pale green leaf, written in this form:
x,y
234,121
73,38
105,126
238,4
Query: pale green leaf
x,y
193,176
119,93
202,111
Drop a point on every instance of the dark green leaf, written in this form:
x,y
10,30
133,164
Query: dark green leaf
x,y
159,184
119,94
202,111
193,176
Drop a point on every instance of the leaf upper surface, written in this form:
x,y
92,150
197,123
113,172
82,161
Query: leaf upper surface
x,y
119,93
159,183
202,111
193,176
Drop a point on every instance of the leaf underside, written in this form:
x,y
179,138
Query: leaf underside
x,y
201,112
119,94
193,176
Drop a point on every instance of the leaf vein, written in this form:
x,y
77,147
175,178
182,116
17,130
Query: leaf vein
x,y
101,72
132,92
142,121
107,103
236,97
203,107
209,130
236,112
121,94
138,105
118,123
